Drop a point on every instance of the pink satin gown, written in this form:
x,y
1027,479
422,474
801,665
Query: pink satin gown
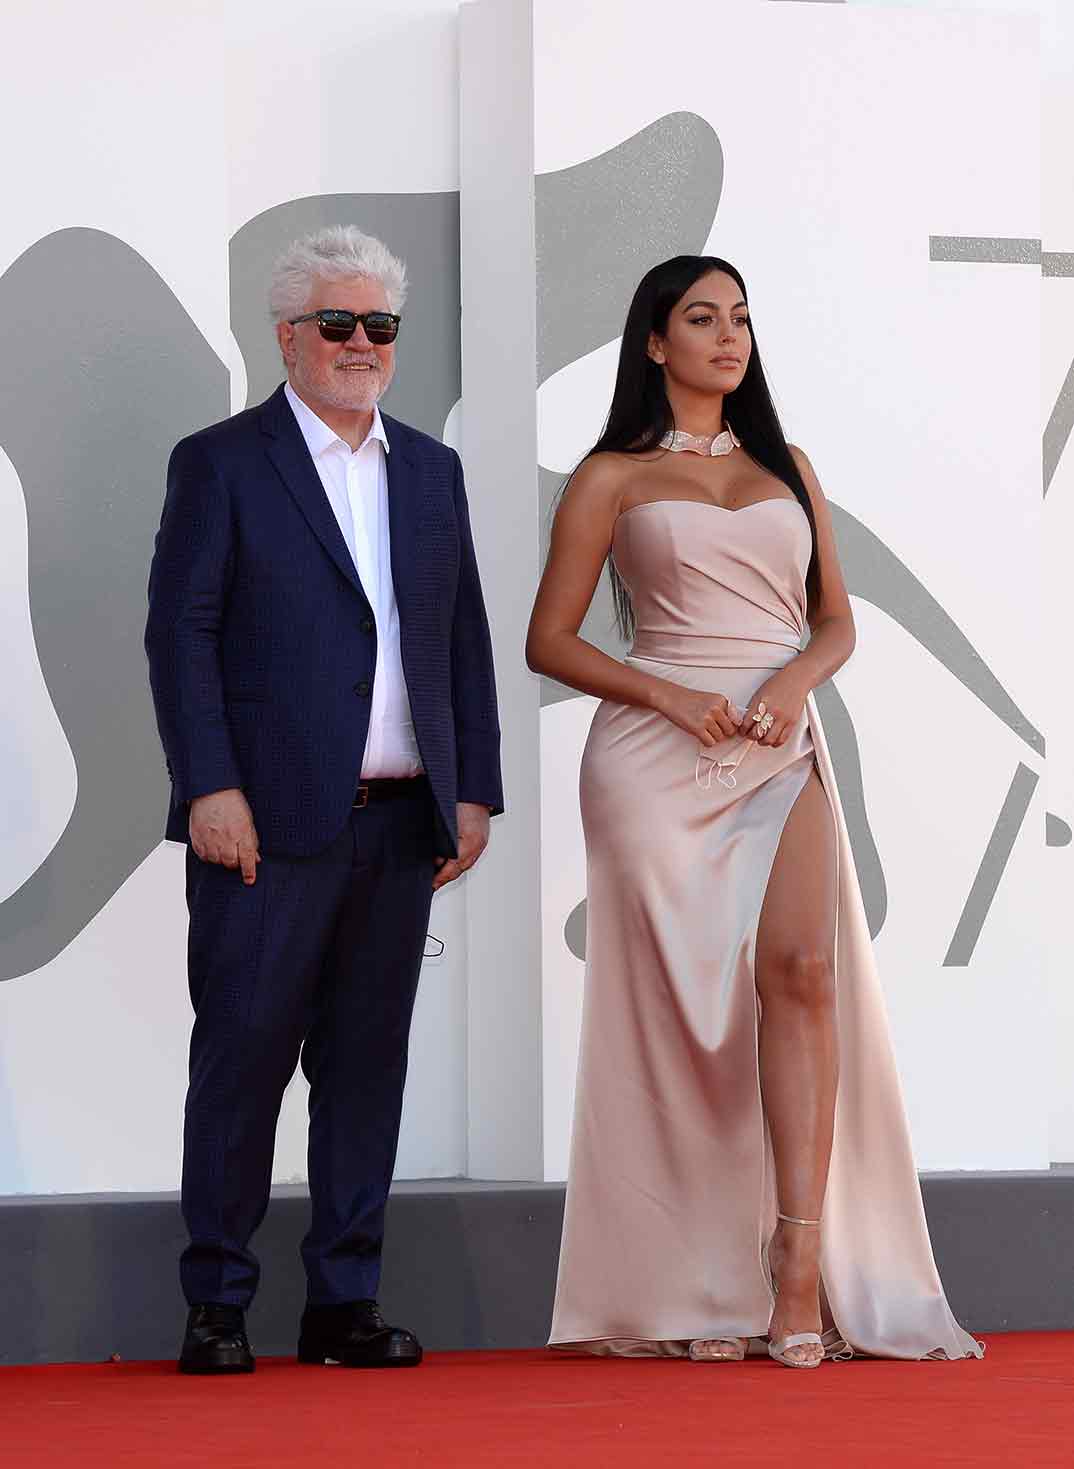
x,y
671,1192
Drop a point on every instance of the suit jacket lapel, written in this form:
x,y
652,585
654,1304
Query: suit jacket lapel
x,y
404,499
288,452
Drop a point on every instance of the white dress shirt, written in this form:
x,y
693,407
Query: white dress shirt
x,y
356,483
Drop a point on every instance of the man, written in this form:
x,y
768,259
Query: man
x,y
322,673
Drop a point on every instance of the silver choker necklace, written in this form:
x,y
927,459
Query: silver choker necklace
x,y
678,442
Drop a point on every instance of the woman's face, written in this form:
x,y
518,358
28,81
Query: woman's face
x,y
707,343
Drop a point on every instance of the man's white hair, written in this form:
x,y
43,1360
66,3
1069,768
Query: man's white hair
x,y
336,252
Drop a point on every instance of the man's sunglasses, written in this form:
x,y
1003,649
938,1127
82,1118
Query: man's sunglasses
x,y
381,327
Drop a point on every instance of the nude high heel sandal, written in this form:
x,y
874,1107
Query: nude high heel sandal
x,y
717,1349
778,1350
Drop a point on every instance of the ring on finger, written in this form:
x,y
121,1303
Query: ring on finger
x,y
764,719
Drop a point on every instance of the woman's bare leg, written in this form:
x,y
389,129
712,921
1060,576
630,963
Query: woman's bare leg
x,y
795,970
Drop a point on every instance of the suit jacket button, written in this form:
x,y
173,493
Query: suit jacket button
x,y
367,624
362,688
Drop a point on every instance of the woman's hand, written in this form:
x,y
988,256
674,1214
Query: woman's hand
x,y
705,716
783,696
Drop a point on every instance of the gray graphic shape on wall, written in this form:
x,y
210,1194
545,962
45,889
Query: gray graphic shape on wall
x,y
142,376
992,867
654,196
843,744
1058,429
421,228
1060,423
138,377
600,225
875,574
102,372
1057,832
998,250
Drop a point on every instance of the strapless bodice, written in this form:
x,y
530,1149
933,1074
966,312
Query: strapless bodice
x,y
715,587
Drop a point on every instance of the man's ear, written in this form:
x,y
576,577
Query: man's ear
x,y
285,335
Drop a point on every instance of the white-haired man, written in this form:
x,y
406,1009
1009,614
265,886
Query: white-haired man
x,y
322,673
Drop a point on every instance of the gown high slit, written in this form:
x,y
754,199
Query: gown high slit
x,y
671,1189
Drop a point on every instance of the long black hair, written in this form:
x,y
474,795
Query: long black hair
x,y
641,415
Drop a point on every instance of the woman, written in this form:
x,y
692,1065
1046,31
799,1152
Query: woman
x,y
740,1164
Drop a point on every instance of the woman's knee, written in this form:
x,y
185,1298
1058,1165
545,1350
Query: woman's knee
x,y
798,976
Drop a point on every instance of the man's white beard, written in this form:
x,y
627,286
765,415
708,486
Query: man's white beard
x,y
354,392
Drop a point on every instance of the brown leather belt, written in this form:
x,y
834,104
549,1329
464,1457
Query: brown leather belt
x,y
387,789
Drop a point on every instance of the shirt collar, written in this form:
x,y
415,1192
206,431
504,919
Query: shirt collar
x,y
317,434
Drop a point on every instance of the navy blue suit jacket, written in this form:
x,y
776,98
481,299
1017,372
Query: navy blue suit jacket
x,y
262,644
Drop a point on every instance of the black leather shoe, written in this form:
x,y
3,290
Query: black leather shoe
x,y
355,1335
215,1341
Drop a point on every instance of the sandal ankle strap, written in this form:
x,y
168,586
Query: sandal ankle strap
x,y
790,1219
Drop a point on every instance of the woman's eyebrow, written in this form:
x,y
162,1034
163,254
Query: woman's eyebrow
x,y
712,305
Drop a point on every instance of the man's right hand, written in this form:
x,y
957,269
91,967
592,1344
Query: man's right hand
x,y
222,830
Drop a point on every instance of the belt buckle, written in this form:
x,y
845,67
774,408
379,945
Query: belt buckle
x,y
361,798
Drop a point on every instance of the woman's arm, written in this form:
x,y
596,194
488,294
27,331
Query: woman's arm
x,y
581,540
831,623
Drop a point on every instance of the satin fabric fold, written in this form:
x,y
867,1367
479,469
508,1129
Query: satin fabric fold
x,y
671,1189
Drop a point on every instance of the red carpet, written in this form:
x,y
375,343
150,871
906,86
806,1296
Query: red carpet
x,y
1016,1409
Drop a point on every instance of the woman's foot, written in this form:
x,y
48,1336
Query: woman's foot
x,y
794,1260
719,1349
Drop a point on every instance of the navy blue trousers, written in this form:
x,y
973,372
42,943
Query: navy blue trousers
x,y
319,961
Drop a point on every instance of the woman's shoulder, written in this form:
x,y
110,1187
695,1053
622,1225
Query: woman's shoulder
x,y
603,474
800,457
604,464
595,491
805,469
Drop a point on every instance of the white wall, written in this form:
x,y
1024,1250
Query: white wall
x,y
92,1045
1057,379
171,139
1056,699
894,371
191,123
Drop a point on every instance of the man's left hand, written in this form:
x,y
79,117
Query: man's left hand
x,y
473,823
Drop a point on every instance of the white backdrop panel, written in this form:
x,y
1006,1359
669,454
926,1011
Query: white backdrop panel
x,y
194,121
92,1046
188,125
913,385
